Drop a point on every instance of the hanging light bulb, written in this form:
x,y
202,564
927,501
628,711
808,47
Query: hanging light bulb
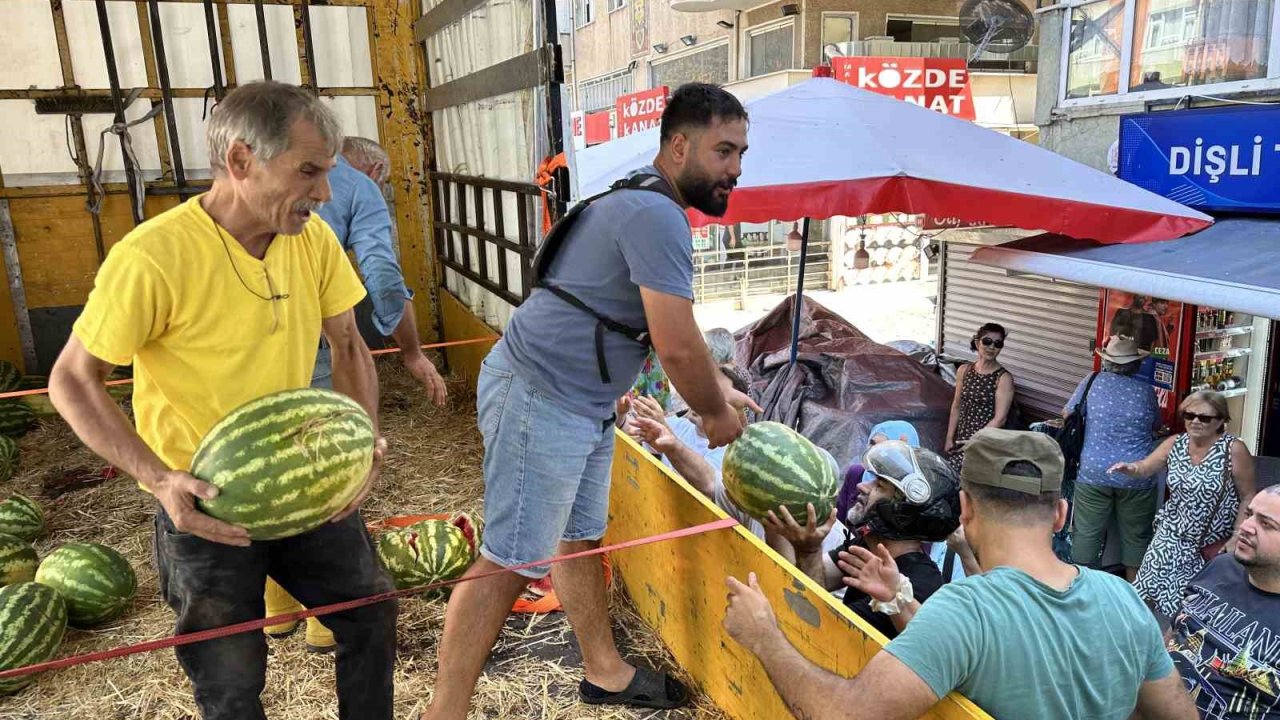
x,y
794,239
862,258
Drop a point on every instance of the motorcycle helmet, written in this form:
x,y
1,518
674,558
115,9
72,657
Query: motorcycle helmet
x,y
926,501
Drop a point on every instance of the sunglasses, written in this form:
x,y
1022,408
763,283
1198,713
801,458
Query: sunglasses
x,y
1206,419
992,342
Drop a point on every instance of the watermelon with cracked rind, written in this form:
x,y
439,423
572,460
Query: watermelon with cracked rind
x,y
96,581
18,560
772,465
428,552
287,462
21,516
33,619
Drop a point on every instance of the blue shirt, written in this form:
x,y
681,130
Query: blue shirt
x,y
359,217
1021,649
1123,412
624,241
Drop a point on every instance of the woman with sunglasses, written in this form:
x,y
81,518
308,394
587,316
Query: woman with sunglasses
x,y
984,393
1211,481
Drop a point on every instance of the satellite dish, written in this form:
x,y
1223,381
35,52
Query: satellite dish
x,y
997,26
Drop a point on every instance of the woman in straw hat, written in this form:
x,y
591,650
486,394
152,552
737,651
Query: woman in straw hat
x,y
1122,417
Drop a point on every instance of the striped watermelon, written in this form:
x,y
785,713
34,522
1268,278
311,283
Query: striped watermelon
x,y
8,458
33,618
286,462
33,382
428,552
772,465
16,417
96,581
22,517
10,376
18,560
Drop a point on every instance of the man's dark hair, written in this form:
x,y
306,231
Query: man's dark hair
x,y
735,377
698,105
1012,505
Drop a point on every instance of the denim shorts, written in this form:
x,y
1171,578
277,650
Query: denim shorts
x,y
546,470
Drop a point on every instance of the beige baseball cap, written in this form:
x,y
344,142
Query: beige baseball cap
x,y
990,451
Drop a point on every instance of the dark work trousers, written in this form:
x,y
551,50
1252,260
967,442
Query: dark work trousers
x,y
210,585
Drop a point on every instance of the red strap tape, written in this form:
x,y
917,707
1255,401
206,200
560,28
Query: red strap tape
x,y
252,625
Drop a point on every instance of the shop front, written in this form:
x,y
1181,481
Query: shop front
x,y
1206,305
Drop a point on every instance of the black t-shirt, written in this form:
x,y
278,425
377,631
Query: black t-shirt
x,y
1226,644
919,568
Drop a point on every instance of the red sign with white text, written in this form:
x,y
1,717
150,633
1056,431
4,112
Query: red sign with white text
x,y
641,111
940,84
598,127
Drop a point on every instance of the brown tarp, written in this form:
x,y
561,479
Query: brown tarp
x,y
843,383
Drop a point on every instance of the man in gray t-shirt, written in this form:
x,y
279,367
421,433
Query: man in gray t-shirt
x,y
546,392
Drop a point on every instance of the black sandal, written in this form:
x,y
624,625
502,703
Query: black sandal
x,y
648,689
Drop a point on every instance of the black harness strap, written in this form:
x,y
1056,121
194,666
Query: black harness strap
x,y
555,240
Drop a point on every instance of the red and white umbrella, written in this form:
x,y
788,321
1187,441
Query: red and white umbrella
x,y
824,148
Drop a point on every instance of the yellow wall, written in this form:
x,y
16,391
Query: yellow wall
x,y
679,589
460,324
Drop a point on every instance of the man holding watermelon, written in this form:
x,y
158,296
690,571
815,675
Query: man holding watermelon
x,y
218,302
546,394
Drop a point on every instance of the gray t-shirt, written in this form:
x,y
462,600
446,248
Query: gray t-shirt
x,y
622,242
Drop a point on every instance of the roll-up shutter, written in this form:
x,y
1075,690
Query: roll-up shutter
x,y
1052,325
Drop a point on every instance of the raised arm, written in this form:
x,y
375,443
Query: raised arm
x,y
76,389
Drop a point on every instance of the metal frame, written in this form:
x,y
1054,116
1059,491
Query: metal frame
x,y
217,27
452,195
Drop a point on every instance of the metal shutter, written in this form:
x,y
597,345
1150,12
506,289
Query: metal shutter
x,y
1052,325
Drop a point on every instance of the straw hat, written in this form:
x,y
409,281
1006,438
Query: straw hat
x,y
1122,350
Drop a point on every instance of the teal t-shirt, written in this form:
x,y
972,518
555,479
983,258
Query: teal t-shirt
x,y
1021,649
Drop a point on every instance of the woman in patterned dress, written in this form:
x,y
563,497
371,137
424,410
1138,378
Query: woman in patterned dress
x,y
1211,481
984,393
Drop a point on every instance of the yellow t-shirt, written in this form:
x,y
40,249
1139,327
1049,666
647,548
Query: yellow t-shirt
x,y
202,339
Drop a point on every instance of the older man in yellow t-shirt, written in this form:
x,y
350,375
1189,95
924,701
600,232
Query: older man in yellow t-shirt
x,y
217,302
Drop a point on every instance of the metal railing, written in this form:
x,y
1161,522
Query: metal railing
x,y
767,270
469,218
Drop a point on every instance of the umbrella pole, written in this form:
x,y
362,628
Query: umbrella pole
x,y
796,305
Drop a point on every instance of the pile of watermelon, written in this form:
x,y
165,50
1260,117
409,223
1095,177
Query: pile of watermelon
x,y
16,418
78,584
772,465
429,551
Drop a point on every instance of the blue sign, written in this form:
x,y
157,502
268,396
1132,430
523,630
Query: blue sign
x,y
1225,159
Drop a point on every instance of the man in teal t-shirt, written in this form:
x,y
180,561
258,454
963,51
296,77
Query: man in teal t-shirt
x,y
1032,637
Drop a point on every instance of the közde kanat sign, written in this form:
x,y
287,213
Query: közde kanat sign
x,y
1224,159
940,84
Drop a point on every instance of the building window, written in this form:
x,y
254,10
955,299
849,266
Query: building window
x,y
922,29
838,29
1172,44
1192,42
708,66
616,4
584,12
601,92
1093,56
770,50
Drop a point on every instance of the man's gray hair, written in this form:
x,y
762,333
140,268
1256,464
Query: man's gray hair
x,y
1129,368
720,343
260,115
364,151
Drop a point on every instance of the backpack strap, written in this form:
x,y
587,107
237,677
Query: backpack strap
x,y
554,242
